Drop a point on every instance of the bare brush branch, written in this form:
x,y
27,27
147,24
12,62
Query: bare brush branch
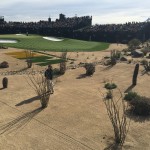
x,y
116,110
39,84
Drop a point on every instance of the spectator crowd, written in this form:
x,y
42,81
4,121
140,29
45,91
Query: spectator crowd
x,y
80,28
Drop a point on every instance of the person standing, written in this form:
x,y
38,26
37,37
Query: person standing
x,y
49,77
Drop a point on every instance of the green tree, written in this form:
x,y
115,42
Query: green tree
x,y
133,44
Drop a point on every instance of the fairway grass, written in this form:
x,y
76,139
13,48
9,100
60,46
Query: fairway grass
x,y
36,42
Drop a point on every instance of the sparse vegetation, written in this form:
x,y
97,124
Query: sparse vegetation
x,y
116,109
145,50
129,61
146,65
133,44
110,86
143,62
90,69
109,95
4,64
29,56
130,96
112,59
114,56
3,47
63,64
39,84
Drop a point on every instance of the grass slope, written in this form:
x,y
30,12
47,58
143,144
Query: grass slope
x,y
36,42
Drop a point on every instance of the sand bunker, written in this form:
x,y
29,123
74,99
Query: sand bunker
x,y
19,34
53,39
7,41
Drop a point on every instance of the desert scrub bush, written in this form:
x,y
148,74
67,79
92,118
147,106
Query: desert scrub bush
x,y
4,64
114,56
29,56
129,61
40,86
146,66
145,50
110,86
116,110
108,95
130,96
143,62
63,64
90,68
125,50
133,44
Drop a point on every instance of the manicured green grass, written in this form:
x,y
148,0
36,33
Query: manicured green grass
x,y
45,60
36,42
53,61
40,59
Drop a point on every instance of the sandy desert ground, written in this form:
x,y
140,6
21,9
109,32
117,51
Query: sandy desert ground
x,y
76,118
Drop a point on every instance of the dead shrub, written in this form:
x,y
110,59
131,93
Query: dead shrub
x,y
116,110
39,84
29,56
63,64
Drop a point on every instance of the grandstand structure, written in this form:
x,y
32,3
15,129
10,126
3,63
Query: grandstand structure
x,y
62,27
80,28
115,33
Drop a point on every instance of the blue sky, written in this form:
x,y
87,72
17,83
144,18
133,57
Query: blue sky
x,y
103,11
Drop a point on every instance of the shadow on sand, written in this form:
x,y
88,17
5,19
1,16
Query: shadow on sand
x,y
137,118
113,146
19,122
30,100
129,88
107,68
81,76
23,69
144,72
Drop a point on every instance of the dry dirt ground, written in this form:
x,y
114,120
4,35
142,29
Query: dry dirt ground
x,y
76,118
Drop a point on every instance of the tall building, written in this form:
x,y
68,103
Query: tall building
x,y
49,20
62,17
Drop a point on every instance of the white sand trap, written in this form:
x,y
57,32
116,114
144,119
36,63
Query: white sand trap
x,y
7,41
19,34
53,39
